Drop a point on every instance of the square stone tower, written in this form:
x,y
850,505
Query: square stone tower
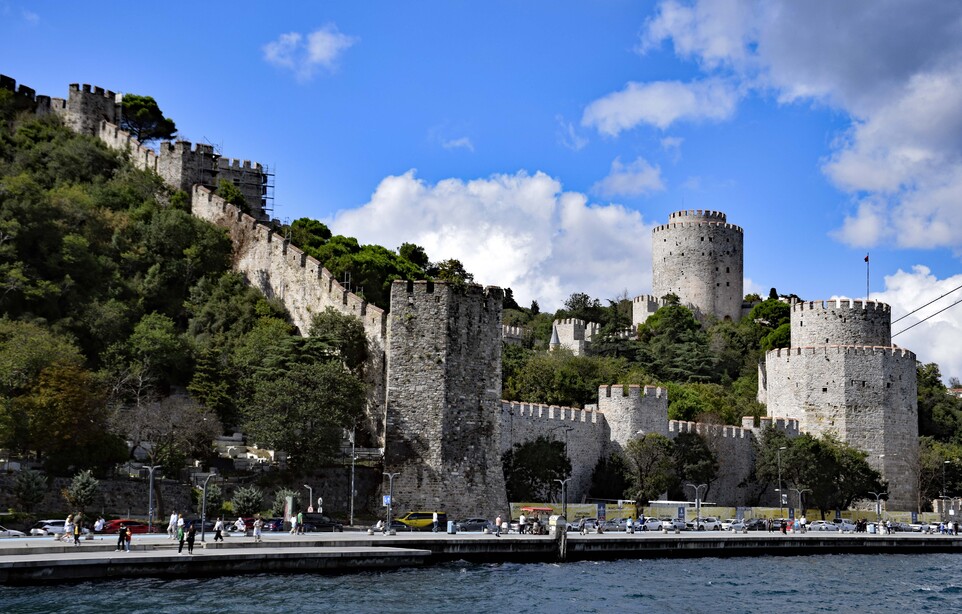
x,y
444,398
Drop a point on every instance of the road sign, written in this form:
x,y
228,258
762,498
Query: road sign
x,y
387,500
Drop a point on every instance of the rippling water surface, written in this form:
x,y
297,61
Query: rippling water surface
x,y
841,583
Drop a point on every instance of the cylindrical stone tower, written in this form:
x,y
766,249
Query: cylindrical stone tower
x,y
841,322
699,256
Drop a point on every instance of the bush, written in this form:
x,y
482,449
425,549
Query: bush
x,y
247,501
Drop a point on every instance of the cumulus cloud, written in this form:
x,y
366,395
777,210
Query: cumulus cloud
x,y
305,54
632,179
937,339
519,230
893,66
660,104
458,143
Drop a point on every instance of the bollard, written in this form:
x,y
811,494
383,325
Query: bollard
x,y
677,530
370,531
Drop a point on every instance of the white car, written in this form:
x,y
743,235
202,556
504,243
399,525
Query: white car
x,y
670,524
47,527
822,525
650,524
845,526
734,525
708,523
5,532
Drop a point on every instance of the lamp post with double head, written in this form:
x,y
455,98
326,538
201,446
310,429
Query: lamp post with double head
x,y
564,496
878,504
310,496
203,508
697,500
390,500
781,500
150,499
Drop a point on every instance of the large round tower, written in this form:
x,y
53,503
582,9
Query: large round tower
x,y
699,256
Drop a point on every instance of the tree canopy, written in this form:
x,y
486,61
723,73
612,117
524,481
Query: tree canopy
x,y
143,119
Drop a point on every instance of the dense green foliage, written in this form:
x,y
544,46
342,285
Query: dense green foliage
x,y
114,300
532,468
144,120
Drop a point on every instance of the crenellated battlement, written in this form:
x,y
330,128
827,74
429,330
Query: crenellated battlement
x,y
557,413
239,165
569,322
86,88
676,427
706,214
789,426
630,391
696,224
842,303
842,350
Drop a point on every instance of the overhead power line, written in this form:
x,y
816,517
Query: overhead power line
x,y
927,318
926,305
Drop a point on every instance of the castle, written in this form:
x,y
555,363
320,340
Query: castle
x,y
434,376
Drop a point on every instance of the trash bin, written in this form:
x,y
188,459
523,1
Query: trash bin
x,y
556,524
871,528
452,529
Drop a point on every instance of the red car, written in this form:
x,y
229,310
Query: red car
x,y
135,526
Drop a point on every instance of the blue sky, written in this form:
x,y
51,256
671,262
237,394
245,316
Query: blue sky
x,y
540,141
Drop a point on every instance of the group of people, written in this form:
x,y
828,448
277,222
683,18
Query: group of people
x,y
297,523
73,528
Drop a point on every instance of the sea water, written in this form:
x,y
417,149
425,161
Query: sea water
x,y
824,583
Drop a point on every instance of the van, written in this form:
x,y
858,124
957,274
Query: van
x,y
424,521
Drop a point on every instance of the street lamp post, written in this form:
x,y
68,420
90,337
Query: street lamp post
x,y
310,496
800,491
203,508
781,504
564,496
390,500
878,504
697,501
942,498
150,499
353,460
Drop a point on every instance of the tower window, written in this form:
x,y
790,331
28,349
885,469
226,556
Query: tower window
x,y
727,270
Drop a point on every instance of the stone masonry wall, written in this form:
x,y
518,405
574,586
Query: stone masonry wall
x,y
841,322
630,409
584,432
699,257
733,448
443,398
116,498
864,396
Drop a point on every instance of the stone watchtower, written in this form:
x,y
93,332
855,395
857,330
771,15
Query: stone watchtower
x,y
699,256
444,398
629,410
843,377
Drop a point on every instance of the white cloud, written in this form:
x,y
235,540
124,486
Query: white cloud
x,y
633,179
305,54
937,339
672,146
458,143
660,104
568,136
520,231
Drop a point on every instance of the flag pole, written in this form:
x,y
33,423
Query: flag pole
x,y
867,265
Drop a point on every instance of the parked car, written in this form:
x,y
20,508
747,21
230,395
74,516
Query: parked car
x,y
274,524
314,523
424,521
671,524
650,524
135,526
844,525
47,527
397,526
708,523
735,525
822,525
474,525
5,532
208,524
756,524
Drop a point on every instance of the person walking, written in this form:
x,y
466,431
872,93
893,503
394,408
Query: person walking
x,y
293,524
191,536
77,528
497,526
128,535
121,538
219,530
521,523
630,526
172,526
258,524
181,536
300,523
434,519
67,528
99,525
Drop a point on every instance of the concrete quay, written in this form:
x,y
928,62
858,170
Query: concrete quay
x,y
43,561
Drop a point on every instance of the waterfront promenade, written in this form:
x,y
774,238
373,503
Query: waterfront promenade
x,y
43,560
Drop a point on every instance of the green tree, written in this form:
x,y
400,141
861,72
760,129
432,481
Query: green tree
x,y
303,410
674,348
170,431
450,270
940,414
82,490
143,119
694,461
233,195
30,488
560,378
215,499
609,480
651,467
414,254
344,334
247,501
280,501
531,468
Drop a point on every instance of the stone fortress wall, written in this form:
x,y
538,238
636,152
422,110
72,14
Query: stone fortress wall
x,y
843,377
435,371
